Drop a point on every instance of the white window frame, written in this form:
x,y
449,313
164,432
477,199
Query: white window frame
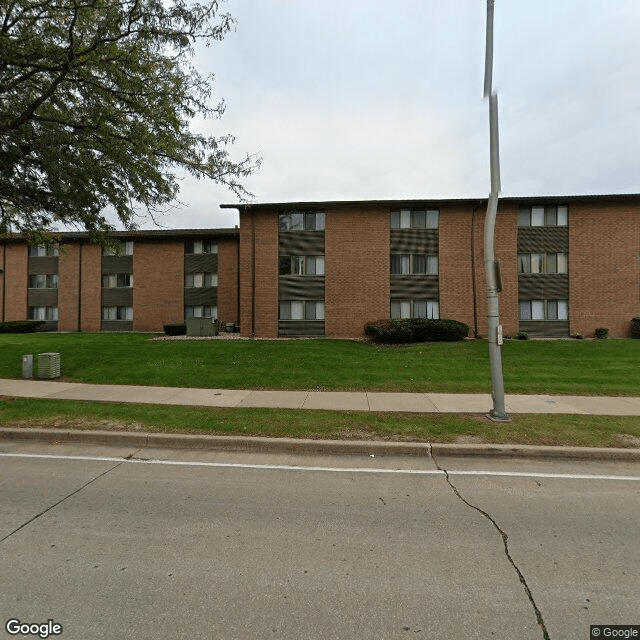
x,y
541,310
408,262
117,313
200,280
302,265
301,221
541,216
201,311
300,310
200,247
541,263
405,309
51,281
44,250
113,280
48,314
124,249
411,219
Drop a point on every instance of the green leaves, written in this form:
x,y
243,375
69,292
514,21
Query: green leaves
x,y
95,103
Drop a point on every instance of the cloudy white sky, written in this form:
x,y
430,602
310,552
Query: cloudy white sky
x,y
369,99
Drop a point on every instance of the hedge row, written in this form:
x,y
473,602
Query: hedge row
x,y
416,330
21,326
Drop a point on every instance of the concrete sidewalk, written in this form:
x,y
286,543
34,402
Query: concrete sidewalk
x,y
328,400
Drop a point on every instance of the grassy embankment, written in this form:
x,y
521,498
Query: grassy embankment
x,y
608,367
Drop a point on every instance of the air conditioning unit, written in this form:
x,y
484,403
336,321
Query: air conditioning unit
x,y
48,366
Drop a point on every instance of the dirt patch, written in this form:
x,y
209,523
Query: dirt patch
x,y
630,441
84,424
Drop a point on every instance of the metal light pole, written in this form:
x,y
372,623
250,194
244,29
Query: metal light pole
x,y
491,265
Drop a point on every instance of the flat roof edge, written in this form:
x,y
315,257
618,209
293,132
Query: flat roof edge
x,y
415,201
140,234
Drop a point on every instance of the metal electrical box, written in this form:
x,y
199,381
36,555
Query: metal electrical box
x,y
27,366
202,327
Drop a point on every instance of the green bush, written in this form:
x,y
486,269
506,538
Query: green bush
x,y
21,326
521,335
175,329
416,330
602,333
635,328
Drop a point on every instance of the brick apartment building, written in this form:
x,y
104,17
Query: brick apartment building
x,y
568,264
156,277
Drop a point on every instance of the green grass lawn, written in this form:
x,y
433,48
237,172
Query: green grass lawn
x,y
586,431
589,367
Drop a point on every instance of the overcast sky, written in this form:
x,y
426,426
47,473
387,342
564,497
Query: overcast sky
x,y
368,99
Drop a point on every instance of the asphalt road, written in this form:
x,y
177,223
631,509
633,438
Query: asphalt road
x,y
211,545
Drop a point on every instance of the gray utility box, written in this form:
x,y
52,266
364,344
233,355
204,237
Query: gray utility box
x,y
27,366
48,366
202,327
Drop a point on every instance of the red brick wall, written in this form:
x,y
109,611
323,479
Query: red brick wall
x,y
604,285
158,284
507,254
228,280
15,282
91,287
455,264
261,321
459,227
68,287
357,270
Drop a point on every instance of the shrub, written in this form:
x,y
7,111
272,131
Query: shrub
x,y
602,333
521,335
175,329
577,335
379,330
21,326
635,328
416,330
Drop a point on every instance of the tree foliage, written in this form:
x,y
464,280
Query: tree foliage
x,y
96,103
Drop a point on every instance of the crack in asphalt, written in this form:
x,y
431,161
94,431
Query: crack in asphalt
x,y
73,493
505,542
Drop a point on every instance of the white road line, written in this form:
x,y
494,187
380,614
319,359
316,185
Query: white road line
x,y
285,467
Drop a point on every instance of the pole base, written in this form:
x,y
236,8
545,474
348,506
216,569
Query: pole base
x,y
496,416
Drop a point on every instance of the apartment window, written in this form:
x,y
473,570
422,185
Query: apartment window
x,y
198,247
550,216
402,309
49,281
420,219
301,310
44,250
414,264
119,249
197,280
117,280
542,263
544,310
302,221
49,314
201,312
117,313
302,265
